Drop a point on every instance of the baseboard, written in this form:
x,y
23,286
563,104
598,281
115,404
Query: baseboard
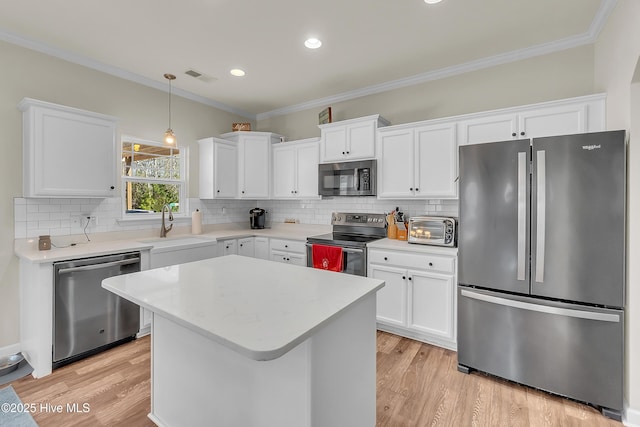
x,y
631,417
9,350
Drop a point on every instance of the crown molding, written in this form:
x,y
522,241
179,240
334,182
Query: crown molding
x,y
605,9
114,71
589,37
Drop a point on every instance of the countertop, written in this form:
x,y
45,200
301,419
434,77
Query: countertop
x,y
108,243
258,308
403,245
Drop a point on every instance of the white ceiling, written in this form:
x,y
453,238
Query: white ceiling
x,y
368,46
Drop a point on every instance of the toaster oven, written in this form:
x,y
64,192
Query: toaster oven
x,y
433,230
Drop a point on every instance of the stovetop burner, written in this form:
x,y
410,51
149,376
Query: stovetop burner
x,y
342,239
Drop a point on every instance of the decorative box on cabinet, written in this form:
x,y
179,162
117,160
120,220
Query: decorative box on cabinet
x,y
352,139
563,117
295,169
67,152
218,174
418,160
418,300
254,162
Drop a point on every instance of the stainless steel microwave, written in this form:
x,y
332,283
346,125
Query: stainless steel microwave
x,y
433,230
347,178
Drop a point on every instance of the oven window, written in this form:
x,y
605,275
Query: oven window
x,y
428,230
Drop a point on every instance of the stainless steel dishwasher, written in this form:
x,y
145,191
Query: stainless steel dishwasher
x,y
86,317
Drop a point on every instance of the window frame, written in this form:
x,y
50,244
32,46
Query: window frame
x,y
182,183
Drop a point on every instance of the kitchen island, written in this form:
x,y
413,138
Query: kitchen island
x,y
243,341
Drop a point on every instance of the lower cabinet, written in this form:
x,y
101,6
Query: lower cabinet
x,y
228,247
418,299
261,247
246,247
288,251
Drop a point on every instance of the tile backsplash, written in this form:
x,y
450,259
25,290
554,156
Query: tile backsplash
x,y
60,217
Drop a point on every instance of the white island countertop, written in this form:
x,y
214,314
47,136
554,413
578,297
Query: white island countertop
x,y
260,309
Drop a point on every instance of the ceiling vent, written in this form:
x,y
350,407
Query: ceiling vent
x,y
199,76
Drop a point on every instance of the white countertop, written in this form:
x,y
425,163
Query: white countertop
x,y
108,243
403,245
261,309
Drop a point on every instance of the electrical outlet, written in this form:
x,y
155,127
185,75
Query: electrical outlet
x,y
81,220
93,221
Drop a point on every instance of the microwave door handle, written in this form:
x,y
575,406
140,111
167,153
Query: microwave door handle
x,y
356,182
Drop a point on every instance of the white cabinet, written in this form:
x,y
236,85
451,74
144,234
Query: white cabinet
x,y
418,161
67,152
246,247
288,251
295,169
261,247
254,162
575,115
349,139
218,172
418,299
229,247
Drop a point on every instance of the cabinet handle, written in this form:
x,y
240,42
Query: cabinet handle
x,y
242,191
386,259
112,187
291,191
404,277
218,191
417,189
430,264
347,152
286,246
411,189
513,134
343,152
240,244
522,133
409,277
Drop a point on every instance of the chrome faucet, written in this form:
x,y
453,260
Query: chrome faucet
x,y
163,229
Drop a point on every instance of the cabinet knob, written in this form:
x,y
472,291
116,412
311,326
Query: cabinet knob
x,y
430,264
386,259
112,187
417,189
411,189
409,277
240,244
343,152
218,191
286,246
513,134
404,277
242,191
347,152
522,133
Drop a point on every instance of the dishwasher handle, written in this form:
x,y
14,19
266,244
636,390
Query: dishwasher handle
x,y
127,261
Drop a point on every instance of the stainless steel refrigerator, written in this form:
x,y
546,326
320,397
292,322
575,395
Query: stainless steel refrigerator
x,y
542,264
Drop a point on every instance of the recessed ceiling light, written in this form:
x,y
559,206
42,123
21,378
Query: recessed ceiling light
x,y
312,43
432,1
237,72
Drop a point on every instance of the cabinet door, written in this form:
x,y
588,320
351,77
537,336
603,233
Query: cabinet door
x,y
254,167
206,181
333,144
488,129
229,247
279,256
392,298
246,247
226,171
436,161
307,171
431,303
396,166
297,259
552,121
361,139
261,247
69,154
284,166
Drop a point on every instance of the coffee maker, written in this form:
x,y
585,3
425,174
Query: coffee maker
x,y
257,217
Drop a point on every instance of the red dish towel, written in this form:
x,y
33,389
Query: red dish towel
x,y
327,257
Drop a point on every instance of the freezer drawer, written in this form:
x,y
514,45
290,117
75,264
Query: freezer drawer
x,y
571,350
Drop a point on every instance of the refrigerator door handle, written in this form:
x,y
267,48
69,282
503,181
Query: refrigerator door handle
x,y
567,312
522,215
541,183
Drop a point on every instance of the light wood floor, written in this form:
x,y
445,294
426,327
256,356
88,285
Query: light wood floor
x,y
418,385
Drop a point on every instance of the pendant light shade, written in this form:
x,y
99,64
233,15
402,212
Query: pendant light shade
x,y
169,136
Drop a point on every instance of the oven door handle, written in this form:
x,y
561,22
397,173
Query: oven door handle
x,y
347,250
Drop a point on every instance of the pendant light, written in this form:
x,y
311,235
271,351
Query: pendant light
x,y
169,136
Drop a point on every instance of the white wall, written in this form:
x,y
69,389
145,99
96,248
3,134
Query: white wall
x,y
616,60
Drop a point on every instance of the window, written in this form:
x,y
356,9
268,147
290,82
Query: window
x,y
152,176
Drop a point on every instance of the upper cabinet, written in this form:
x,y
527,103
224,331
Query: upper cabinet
x,y
218,160
418,161
350,139
295,169
67,152
254,162
576,115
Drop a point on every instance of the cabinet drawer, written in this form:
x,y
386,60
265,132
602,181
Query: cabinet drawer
x,y
427,262
288,245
